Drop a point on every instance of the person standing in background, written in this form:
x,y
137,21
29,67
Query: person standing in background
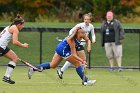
x,y
112,35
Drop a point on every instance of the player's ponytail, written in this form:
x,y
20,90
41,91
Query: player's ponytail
x,y
18,16
89,15
18,20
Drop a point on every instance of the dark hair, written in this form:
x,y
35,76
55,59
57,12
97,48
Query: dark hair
x,y
18,20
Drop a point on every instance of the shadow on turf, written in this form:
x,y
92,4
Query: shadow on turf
x,y
127,79
59,81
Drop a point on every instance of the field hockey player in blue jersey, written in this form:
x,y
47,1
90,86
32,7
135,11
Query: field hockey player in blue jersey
x,y
66,49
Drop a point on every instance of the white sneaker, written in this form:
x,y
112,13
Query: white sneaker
x,y
30,72
89,82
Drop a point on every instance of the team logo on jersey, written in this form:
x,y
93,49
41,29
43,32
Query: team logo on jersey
x,y
67,54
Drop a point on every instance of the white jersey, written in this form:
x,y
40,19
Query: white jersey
x,y
5,37
87,28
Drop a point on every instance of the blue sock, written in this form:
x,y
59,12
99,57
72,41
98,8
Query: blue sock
x,y
45,65
80,71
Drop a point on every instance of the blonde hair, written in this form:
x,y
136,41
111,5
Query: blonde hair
x,y
89,15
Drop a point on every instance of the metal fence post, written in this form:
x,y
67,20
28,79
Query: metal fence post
x,y
89,54
89,60
139,51
40,47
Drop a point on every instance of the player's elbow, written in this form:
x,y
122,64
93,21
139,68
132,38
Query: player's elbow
x,y
15,42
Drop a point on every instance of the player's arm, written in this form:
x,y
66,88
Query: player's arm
x,y
15,41
93,35
122,33
73,29
87,40
73,50
71,42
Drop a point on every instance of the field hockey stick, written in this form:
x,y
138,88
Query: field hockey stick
x,y
85,72
57,38
88,58
29,65
84,67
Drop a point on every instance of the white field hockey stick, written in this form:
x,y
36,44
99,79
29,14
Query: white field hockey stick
x,y
84,73
29,65
57,38
87,60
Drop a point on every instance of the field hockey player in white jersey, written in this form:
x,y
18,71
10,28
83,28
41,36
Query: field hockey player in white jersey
x,y
88,28
10,33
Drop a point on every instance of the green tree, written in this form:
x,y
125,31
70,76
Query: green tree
x,y
68,10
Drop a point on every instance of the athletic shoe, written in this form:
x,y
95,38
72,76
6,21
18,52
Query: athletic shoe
x,y
89,83
60,73
120,69
30,72
8,80
111,68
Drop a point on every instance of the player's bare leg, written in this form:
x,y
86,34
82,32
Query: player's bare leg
x,y
11,65
60,71
119,61
111,61
47,65
80,71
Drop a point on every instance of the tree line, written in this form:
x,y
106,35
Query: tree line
x,y
68,10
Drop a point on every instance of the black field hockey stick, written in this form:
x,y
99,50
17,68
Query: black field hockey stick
x,y
29,65
88,55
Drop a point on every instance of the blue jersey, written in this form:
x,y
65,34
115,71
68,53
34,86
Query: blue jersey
x,y
63,48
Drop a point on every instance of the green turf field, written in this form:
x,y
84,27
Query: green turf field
x,y
127,81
